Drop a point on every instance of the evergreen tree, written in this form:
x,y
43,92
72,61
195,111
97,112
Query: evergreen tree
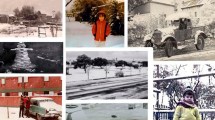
x,y
116,22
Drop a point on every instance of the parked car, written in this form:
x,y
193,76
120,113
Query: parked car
x,y
45,108
180,31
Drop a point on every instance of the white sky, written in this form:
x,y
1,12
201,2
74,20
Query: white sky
x,y
45,6
110,55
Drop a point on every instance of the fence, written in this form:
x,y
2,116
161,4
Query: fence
x,y
206,114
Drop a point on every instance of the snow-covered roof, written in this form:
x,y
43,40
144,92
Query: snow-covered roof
x,y
170,2
177,16
194,3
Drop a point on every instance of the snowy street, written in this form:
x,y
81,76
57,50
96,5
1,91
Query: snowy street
x,y
132,87
107,112
80,35
189,52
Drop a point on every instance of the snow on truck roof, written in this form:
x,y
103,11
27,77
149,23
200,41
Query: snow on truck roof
x,y
177,16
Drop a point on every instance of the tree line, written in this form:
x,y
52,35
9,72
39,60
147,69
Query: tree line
x,y
83,61
29,13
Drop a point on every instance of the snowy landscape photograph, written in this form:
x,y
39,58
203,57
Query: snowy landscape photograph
x,y
177,30
184,91
31,18
107,111
31,98
31,57
91,23
107,75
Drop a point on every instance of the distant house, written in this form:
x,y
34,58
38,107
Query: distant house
x,y
155,7
192,7
4,18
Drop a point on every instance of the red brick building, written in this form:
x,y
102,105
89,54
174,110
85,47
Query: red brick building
x,y
11,88
31,86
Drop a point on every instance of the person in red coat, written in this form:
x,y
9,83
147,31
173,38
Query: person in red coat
x,y
28,104
100,29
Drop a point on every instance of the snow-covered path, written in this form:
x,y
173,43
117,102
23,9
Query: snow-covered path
x,y
80,35
106,112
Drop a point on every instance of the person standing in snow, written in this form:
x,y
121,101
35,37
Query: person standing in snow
x,y
186,108
28,104
21,107
100,29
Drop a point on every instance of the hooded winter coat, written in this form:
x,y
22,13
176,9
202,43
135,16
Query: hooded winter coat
x,y
100,29
186,111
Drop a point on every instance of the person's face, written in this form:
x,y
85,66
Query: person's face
x,y
101,17
188,98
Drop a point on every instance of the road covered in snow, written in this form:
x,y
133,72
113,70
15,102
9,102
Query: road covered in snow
x,y
134,84
107,112
79,34
189,52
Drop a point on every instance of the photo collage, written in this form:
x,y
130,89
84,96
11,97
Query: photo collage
x,y
107,60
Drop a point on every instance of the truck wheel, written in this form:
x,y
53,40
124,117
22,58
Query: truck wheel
x,y
148,43
39,117
169,48
200,43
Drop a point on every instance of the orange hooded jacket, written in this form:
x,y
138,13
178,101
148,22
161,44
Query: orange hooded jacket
x,y
98,29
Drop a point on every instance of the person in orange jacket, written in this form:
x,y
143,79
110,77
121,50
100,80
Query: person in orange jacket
x,y
100,29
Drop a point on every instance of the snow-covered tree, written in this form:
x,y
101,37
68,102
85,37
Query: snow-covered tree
x,y
82,9
116,19
82,62
99,62
135,3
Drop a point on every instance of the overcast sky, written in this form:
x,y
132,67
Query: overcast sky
x,y
45,6
110,55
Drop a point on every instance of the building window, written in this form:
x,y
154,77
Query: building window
x,y
29,93
20,93
25,79
3,94
7,94
195,14
46,92
51,93
46,78
25,93
3,81
19,79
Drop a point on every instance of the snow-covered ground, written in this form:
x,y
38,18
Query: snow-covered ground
x,y
80,35
79,74
21,31
13,113
109,112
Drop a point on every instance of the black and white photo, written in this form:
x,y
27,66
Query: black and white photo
x,y
177,30
31,57
107,75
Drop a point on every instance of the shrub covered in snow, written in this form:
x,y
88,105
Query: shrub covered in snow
x,y
119,74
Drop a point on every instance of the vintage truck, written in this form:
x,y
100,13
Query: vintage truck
x,y
45,108
179,31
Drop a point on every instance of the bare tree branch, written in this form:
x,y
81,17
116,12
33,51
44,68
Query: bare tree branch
x,y
68,2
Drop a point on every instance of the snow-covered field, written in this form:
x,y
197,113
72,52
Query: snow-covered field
x,y
79,74
80,35
22,31
109,112
13,113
